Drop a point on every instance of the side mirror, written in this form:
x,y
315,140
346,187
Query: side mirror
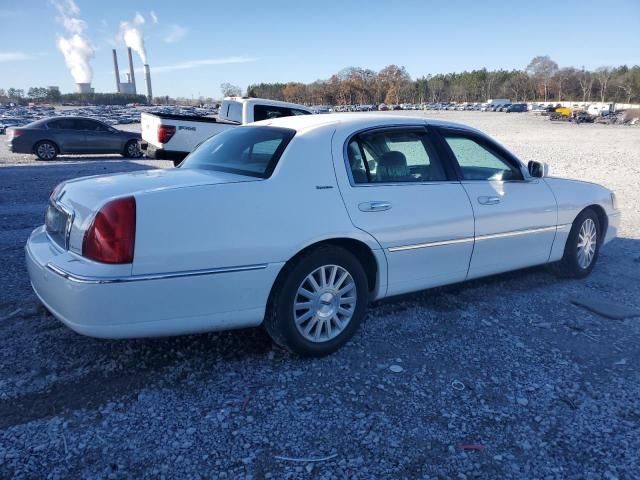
x,y
538,169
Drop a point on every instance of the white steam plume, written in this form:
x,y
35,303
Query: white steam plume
x,y
75,46
132,36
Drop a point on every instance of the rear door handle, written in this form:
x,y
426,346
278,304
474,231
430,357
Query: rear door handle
x,y
374,206
488,200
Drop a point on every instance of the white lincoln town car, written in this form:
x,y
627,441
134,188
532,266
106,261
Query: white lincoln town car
x,y
297,223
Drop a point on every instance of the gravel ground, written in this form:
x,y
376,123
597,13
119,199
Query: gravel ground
x,y
496,378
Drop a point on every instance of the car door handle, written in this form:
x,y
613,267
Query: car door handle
x,y
374,206
488,200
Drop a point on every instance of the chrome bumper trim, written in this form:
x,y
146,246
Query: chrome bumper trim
x,y
154,276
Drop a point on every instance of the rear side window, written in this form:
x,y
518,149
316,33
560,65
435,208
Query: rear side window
x,y
267,112
63,124
478,162
391,156
252,151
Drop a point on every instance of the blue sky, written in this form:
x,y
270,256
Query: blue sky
x,y
196,45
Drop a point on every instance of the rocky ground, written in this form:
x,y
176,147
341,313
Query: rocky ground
x,y
496,378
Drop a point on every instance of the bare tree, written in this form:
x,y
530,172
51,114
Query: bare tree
x,y
586,84
397,81
604,75
229,90
542,69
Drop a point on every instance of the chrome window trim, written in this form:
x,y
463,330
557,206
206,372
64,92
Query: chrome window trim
x,y
513,233
86,279
345,156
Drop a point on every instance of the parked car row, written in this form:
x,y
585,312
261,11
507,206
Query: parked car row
x,y
17,116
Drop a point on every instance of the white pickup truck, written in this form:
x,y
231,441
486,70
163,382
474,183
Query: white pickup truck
x,y
173,137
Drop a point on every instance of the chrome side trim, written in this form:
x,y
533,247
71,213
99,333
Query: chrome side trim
x,y
512,233
154,276
515,233
431,244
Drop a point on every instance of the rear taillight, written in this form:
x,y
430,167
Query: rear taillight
x,y
13,133
165,132
112,234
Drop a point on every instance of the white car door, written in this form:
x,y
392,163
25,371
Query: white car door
x,y
397,188
515,215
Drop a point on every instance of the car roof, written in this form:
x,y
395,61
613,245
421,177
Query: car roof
x,y
264,101
356,121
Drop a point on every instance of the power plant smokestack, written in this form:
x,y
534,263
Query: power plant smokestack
x,y
133,77
147,78
117,71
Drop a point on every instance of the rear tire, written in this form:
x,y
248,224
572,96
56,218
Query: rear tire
x,y
46,150
318,302
582,247
132,150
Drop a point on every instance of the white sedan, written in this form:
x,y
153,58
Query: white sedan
x,y
297,223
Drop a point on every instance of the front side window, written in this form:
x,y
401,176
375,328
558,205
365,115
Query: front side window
x,y
390,156
252,151
478,162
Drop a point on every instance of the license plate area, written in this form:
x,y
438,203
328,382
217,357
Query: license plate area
x,y
58,224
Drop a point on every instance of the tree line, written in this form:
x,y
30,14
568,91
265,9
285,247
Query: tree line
x,y
541,80
53,95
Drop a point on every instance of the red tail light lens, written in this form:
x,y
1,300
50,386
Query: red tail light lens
x,y
165,132
13,133
112,234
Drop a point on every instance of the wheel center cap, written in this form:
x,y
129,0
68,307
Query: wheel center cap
x,y
326,304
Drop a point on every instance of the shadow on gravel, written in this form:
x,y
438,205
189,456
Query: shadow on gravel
x,y
119,370
139,364
147,363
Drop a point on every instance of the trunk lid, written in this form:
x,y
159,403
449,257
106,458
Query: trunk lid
x,y
85,196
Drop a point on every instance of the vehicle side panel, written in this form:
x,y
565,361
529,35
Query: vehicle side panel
x,y
264,221
572,197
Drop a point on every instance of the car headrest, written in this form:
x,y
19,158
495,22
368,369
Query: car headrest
x,y
392,166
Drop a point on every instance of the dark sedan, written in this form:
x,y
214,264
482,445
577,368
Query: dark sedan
x,y
517,107
50,137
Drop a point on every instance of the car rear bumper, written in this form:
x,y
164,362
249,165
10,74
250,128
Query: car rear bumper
x,y
160,153
18,145
161,305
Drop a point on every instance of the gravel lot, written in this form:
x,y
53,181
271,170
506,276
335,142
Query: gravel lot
x,y
497,378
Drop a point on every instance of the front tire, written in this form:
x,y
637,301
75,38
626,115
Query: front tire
x,y
46,150
318,302
582,248
132,150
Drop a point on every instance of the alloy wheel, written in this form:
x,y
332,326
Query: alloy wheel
x,y
132,150
324,303
587,242
46,151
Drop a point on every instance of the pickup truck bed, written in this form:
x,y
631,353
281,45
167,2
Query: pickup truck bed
x,y
167,136
173,137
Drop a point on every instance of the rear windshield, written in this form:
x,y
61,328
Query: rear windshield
x,y
252,151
